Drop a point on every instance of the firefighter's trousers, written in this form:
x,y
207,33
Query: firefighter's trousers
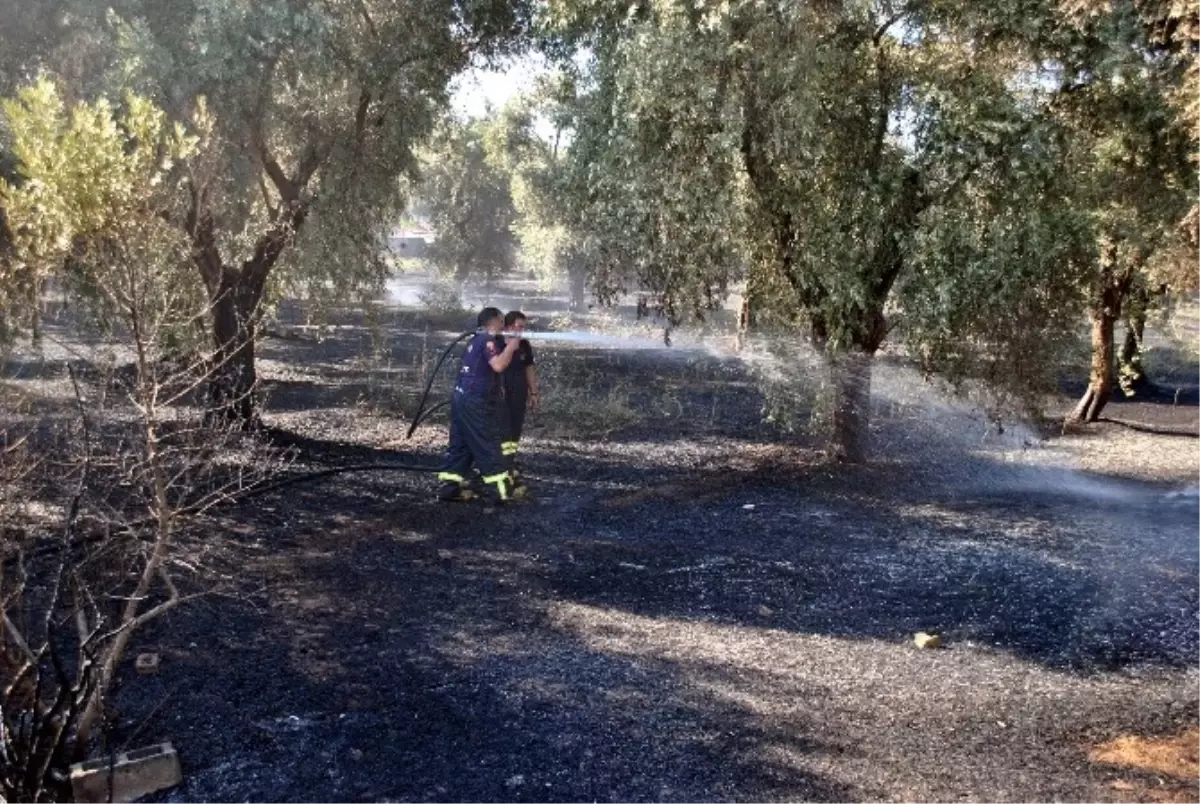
x,y
475,430
514,422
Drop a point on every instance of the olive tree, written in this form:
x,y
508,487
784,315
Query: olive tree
x,y
863,166
470,202
546,142
315,108
1130,70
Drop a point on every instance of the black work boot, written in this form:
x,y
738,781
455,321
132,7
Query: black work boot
x,y
520,490
455,492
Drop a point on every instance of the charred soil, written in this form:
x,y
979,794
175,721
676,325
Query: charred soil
x,y
692,606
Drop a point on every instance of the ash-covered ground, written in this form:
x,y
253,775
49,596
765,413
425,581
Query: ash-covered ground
x,y
692,607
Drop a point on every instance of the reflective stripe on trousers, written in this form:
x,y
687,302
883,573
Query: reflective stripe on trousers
x,y
501,481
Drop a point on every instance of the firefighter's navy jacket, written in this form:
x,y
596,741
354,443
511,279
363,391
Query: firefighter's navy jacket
x,y
475,374
475,420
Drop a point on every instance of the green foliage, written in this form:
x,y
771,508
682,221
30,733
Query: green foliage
x,y
315,110
1134,142
58,38
98,185
868,168
470,202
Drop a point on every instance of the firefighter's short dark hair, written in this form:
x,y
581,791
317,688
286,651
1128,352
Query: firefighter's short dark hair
x,y
487,315
513,317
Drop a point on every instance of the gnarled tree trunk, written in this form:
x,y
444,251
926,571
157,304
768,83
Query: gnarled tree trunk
x,y
235,293
1106,312
850,389
232,383
235,298
1102,378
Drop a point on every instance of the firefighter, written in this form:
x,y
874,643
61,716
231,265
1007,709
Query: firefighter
x,y
475,415
520,393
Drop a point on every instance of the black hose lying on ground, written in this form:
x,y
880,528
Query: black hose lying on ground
x,y
1150,428
419,415
234,497
307,477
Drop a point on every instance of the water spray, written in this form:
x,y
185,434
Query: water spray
x,y
577,337
589,338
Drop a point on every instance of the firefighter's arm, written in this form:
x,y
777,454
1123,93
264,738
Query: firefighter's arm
x,y
499,360
532,380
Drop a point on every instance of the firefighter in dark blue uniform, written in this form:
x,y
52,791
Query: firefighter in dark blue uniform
x,y
476,424
520,393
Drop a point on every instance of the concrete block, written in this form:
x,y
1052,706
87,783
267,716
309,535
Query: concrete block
x,y
147,664
133,774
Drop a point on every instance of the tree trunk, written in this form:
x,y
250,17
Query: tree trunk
x,y
850,390
1102,379
234,378
743,329
577,275
1132,375
235,295
37,313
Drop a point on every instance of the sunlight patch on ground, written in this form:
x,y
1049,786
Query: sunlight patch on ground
x,y
776,662
795,685
972,522
1155,458
410,536
1177,756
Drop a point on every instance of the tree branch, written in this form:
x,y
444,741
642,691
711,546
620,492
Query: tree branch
x,y
203,231
14,634
366,15
360,116
271,244
272,209
888,23
285,187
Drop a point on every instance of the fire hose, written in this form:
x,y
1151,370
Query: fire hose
x,y
421,413
265,488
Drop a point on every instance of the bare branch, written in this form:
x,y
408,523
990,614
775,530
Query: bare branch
x,y
877,37
366,15
272,209
360,117
14,634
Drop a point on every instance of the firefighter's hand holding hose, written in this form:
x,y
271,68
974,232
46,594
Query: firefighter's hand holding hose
x,y
500,362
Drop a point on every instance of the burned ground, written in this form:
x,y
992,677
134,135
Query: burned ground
x,y
693,606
